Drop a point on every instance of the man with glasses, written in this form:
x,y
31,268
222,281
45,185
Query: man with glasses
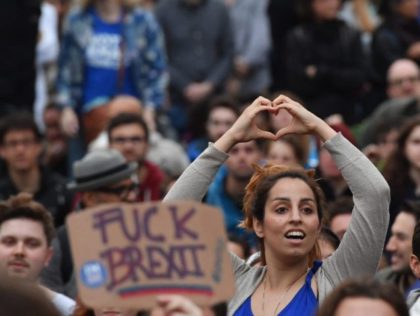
x,y
20,147
403,90
129,134
403,79
102,176
166,153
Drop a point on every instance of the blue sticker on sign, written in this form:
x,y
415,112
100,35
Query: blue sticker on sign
x,y
93,274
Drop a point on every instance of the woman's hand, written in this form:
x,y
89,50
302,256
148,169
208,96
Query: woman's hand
x,y
245,129
303,121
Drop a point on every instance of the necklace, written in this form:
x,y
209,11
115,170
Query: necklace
x,y
281,297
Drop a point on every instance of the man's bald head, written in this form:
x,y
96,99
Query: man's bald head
x,y
124,104
403,79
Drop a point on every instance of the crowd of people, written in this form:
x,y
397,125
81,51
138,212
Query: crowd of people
x,y
299,120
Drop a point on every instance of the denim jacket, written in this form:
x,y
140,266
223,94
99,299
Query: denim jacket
x,y
144,45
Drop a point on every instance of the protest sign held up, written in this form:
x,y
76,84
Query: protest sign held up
x,y
125,254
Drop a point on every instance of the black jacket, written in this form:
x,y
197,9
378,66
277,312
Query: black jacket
x,y
390,42
335,49
52,193
283,17
18,35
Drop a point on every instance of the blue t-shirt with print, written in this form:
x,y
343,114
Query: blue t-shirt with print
x,y
103,58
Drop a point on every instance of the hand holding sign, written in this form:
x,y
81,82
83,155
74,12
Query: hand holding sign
x,y
126,254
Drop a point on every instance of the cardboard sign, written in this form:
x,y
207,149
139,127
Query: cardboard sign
x,y
126,254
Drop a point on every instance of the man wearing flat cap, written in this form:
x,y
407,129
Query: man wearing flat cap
x,y
102,176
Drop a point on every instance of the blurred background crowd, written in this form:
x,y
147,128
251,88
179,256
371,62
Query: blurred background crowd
x,y
159,79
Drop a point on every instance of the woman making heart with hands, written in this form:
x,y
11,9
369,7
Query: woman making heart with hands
x,y
283,206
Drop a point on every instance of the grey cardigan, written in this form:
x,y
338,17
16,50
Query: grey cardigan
x,y
361,247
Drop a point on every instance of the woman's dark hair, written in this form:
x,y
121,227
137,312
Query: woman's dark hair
x,y
367,288
396,169
258,188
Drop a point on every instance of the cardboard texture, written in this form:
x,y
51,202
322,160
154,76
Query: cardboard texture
x,y
126,254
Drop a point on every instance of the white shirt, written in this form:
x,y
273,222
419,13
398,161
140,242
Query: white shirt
x,y
64,304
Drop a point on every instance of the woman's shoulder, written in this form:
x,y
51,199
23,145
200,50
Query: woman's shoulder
x,y
247,279
245,271
324,282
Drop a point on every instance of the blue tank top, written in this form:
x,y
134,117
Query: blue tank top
x,y
304,303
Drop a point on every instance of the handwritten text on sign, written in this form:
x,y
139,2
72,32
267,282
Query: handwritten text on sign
x,y
132,251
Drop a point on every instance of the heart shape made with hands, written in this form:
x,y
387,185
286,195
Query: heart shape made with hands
x,y
274,121
286,117
280,119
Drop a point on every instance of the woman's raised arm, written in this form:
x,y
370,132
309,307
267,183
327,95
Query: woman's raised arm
x,y
195,180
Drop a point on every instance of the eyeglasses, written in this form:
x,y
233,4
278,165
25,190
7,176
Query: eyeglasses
x,y
400,81
121,191
26,142
135,140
